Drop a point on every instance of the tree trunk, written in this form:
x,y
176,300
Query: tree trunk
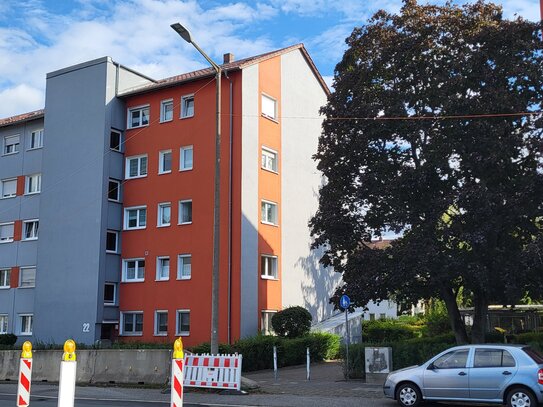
x,y
455,319
480,312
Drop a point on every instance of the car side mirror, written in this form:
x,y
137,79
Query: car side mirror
x,y
431,366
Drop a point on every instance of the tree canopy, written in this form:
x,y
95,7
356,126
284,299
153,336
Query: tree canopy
x,y
434,131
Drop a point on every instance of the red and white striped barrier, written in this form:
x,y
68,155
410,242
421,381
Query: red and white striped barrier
x,y
221,371
25,376
177,374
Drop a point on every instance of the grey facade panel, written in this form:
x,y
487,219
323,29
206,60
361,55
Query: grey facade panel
x,y
27,252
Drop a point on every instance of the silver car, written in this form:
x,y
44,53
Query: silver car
x,y
504,374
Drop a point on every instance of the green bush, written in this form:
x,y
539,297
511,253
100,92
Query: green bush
x,y
386,330
8,339
436,323
292,322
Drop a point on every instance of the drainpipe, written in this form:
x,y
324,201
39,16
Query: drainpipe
x,y
229,318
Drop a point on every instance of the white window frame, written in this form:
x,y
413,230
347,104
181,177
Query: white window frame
x,y
21,273
13,147
35,229
163,110
157,323
274,155
114,302
114,181
180,214
4,324
35,135
29,182
265,273
180,267
178,332
264,212
265,112
161,207
182,164
137,269
8,239
161,155
265,321
120,134
5,278
138,225
159,269
134,332
22,325
140,173
184,101
4,182
116,233
141,109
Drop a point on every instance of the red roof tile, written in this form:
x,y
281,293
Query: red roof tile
x,y
22,118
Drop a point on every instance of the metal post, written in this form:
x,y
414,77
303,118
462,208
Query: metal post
x,y
275,362
308,358
347,342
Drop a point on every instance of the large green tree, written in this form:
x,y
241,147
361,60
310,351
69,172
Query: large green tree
x,y
433,132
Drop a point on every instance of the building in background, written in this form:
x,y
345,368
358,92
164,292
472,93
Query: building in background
x,y
117,177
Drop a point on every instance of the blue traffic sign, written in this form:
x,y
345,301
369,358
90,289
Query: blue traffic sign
x,y
344,301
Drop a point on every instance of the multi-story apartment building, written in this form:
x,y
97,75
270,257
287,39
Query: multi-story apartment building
x,y
119,175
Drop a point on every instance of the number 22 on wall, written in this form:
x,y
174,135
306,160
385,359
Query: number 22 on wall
x,y
86,327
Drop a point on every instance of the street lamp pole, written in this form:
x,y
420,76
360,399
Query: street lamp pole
x,y
185,34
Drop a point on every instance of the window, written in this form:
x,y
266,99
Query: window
x,y
26,324
185,212
6,232
132,323
166,110
5,275
9,188
27,276
269,212
112,241
265,322
161,323
183,322
452,360
3,324
30,229
162,268
110,294
115,140
165,161
33,184
493,358
138,116
185,162
268,267
187,106
136,166
36,140
11,144
269,159
164,214
114,190
184,266
134,270
135,218
269,107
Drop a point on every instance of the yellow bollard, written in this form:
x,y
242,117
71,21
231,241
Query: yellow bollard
x,y
177,374
25,375
68,368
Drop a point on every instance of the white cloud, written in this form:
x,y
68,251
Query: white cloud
x,y
22,98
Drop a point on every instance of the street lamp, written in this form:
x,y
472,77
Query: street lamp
x,y
185,34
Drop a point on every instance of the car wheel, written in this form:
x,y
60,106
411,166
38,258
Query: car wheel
x,y
408,395
520,397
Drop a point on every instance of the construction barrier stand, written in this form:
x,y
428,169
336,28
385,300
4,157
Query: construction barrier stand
x,y
25,376
177,374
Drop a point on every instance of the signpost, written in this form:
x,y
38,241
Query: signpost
x,y
345,302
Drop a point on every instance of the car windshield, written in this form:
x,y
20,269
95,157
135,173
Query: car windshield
x,y
535,355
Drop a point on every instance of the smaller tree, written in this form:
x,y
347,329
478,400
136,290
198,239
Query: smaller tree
x,y
292,322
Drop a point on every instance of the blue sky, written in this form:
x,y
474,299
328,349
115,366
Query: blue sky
x,y
40,36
